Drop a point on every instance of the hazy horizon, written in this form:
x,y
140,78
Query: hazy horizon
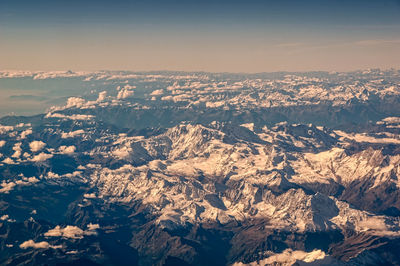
x,y
149,71
228,36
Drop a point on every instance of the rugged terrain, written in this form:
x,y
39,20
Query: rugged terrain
x,y
205,169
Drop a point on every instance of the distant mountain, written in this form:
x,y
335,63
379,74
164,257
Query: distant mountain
x,y
213,169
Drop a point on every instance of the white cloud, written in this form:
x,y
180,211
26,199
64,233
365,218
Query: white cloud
x,y
288,257
8,161
92,227
25,133
17,150
4,217
125,92
121,76
27,180
67,149
75,102
89,196
102,96
7,187
37,145
2,143
129,87
71,117
4,129
157,92
59,74
33,244
52,175
392,120
72,134
71,231
73,174
41,157
24,125
215,104
32,179
167,98
15,74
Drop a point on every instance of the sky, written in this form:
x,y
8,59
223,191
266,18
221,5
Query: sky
x,y
215,36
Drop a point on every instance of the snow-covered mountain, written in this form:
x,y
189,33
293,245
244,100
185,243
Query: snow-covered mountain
x,y
118,180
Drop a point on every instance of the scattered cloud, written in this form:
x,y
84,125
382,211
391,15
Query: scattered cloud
x,y
4,129
17,150
6,187
57,74
37,145
167,98
67,149
391,120
5,217
25,133
52,175
102,96
8,161
71,117
125,92
90,196
289,257
75,102
72,134
71,231
157,92
92,227
37,245
41,157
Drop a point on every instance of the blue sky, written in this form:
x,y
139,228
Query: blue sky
x,y
233,36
